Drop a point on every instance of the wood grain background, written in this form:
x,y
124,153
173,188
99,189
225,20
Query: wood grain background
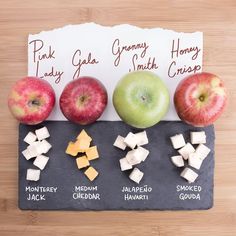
x,y
217,19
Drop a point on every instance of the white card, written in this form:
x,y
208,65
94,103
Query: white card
x,y
108,53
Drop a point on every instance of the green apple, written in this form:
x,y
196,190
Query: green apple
x,y
141,99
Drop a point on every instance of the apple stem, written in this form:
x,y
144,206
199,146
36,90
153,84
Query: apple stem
x,y
82,98
34,103
201,98
143,98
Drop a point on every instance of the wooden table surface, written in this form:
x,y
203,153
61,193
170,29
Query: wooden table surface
x,y
217,19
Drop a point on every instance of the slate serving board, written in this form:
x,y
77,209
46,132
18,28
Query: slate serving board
x,y
63,187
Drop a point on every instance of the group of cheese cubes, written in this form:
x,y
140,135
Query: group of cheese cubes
x,y
82,146
37,146
135,156
195,157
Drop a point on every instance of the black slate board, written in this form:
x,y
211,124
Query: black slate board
x,y
160,175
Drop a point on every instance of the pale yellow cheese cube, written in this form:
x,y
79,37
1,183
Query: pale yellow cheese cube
x,y
82,162
92,153
82,144
71,149
84,135
91,173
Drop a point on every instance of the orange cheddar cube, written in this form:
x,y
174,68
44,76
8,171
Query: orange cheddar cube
x,y
91,173
92,153
71,149
82,144
82,162
84,136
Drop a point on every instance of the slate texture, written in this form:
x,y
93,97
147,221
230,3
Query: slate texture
x,y
162,188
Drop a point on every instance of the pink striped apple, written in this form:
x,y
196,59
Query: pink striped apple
x,y
200,99
31,100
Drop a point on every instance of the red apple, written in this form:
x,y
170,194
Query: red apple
x,y
31,100
83,100
200,99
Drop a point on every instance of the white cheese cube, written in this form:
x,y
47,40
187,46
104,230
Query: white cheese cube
x,y
136,175
42,133
124,164
131,140
35,144
26,153
41,161
143,153
198,137
194,160
202,151
32,150
134,157
35,147
33,175
120,142
177,161
46,146
43,147
177,141
30,138
186,150
189,175
142,138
